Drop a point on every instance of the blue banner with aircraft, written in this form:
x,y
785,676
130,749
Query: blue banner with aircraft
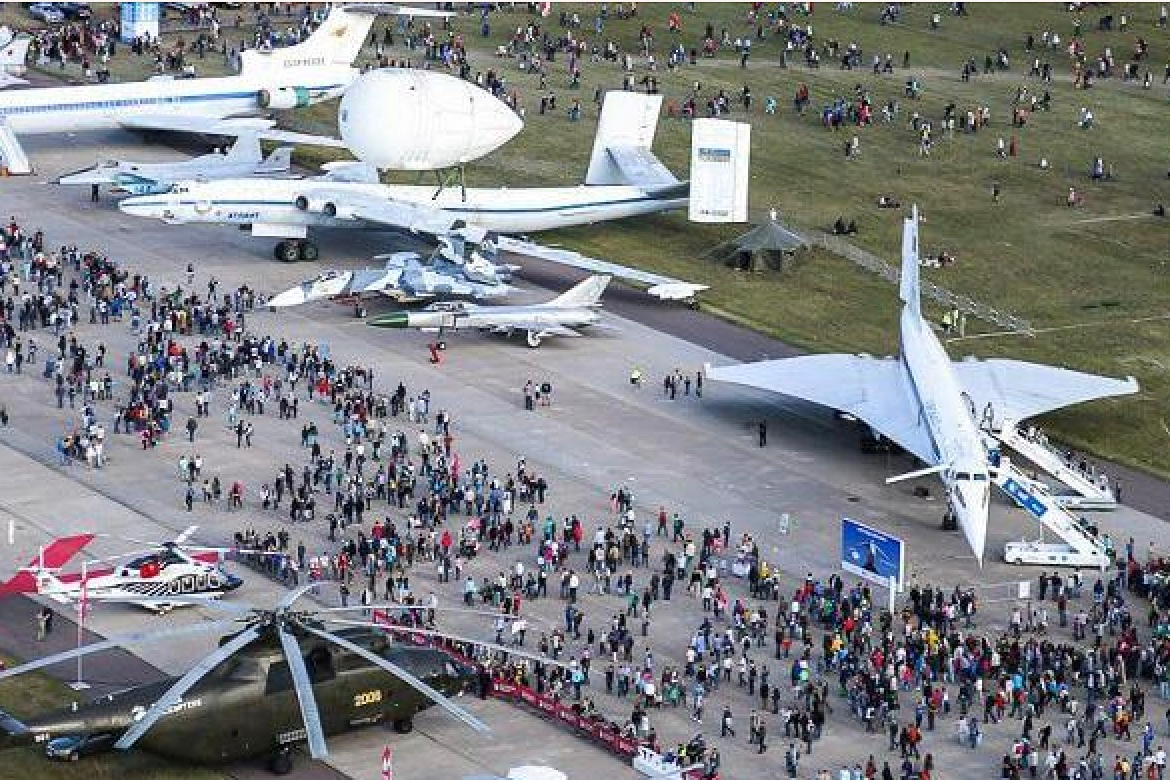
x,y
872,554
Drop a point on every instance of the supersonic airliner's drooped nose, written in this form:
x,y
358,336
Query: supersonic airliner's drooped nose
x,y
418,120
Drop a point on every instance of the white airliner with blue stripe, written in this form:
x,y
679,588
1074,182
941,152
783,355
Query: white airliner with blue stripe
x,y
624,179
318,69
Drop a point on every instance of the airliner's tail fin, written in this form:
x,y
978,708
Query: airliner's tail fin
x,y
246,148
280,161
338,41
909,291
720,171
586,293
39,570
621,149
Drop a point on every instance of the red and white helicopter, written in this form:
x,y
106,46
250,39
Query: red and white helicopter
x,y
154,579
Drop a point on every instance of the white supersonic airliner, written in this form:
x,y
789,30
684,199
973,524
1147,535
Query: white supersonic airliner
x,y
926,402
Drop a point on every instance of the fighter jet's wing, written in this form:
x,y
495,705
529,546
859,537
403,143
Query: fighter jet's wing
x,y
1018,390
659,286
265,129
541,329
871,389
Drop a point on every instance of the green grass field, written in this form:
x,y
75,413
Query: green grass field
x,y
1092,280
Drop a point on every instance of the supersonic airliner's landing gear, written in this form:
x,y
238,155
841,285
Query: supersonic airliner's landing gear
x,y
296,250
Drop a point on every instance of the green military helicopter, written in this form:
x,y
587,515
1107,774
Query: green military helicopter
x,y
280,678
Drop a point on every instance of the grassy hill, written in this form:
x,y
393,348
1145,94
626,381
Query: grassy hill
x,y
1092,280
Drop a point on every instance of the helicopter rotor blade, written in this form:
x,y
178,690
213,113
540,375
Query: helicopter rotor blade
x,y
188,532
415,608
137,637
175,693
508,650
310,714
436,696
192,600
296,593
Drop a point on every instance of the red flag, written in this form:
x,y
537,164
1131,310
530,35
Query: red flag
x,y
387,763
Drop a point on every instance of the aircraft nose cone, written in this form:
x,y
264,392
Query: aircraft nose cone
x,y
422,120
495,123
396,319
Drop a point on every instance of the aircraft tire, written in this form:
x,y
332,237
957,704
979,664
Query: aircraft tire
x,y
403,726
281,763
288,252
533,339
309,251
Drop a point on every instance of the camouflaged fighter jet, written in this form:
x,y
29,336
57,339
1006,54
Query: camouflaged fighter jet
x,y
450,272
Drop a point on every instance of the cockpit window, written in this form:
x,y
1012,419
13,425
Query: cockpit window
x,y
964,476
980,477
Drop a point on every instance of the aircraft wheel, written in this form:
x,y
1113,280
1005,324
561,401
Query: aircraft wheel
x,y
281,763
533,339
288,252
309,251
404,726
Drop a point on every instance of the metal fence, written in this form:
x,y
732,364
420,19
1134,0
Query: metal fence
x,y
942,295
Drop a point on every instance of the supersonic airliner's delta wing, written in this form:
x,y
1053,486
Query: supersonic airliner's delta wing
x,y
926,402
319,68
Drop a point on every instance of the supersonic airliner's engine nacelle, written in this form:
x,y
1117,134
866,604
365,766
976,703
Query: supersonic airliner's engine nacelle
x,y
284,97
419,120
317,206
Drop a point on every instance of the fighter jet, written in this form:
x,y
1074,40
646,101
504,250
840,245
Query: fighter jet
x,y
406,278
576,308
244,158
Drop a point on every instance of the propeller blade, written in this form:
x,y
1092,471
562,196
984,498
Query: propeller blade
x,y
137,637
304,688
175,693
406,677
454,637
293,595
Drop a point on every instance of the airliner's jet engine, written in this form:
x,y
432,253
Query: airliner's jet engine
x,y
417,120
284,97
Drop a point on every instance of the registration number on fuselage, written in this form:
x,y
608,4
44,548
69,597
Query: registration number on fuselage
x,y
366,698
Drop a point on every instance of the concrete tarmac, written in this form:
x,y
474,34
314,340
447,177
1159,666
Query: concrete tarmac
x,y
695,456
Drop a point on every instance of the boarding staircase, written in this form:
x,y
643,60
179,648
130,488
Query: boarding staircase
x,y
1087,494
1079,545
13,160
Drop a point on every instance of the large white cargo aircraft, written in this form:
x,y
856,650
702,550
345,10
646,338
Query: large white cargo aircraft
x,y
624,179
928,403
317,69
